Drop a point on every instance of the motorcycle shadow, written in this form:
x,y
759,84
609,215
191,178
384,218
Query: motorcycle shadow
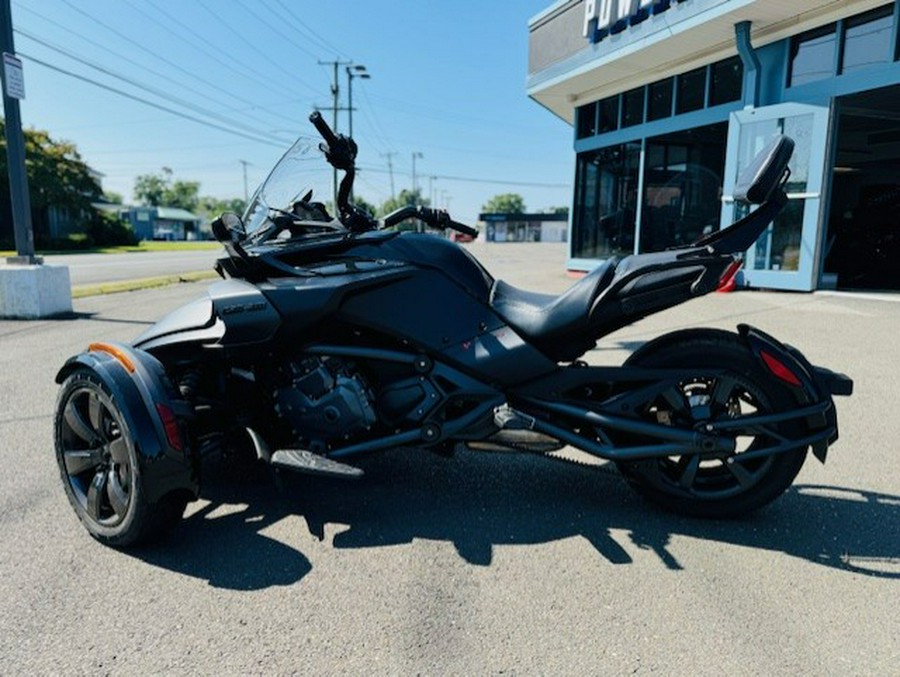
x,y
477,501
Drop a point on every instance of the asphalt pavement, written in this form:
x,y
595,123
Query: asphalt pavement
x,y
478,564
87,269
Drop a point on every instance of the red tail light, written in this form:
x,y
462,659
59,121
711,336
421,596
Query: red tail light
x,y
779,369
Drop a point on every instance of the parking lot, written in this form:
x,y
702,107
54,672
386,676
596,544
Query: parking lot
x,y
478,564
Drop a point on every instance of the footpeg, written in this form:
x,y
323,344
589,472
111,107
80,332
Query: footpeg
x,y
314,464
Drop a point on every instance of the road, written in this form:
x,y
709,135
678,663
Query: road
x,y
97,268
479,564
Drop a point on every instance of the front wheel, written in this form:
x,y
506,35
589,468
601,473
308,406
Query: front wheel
x,y
100,470
709,485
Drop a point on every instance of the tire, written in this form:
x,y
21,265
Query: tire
x,y
100,469
710,486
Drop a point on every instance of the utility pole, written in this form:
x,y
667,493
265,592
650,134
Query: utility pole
x,y
15,149
27,289
246,194
391,171
336,106
416,154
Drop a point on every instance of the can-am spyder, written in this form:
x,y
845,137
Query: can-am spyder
x,y
331,338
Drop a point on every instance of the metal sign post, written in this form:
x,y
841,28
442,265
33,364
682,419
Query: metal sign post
x,y
13,90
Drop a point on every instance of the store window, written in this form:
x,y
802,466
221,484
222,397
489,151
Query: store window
x,y
867,39
660,103
604,220
587,120
609,115
691,91
813,55
633,107
726,79
683,175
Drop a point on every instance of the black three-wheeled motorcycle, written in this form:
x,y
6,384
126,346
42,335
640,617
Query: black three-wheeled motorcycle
x,y
335,337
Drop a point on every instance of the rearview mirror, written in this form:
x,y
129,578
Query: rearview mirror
x,y
227,226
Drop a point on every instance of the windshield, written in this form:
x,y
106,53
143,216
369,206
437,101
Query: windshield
x,y
301,169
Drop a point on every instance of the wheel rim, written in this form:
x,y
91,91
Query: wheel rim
x,y
94,456
709,476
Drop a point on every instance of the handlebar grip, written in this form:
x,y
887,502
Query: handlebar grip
x,y
464,229
322,127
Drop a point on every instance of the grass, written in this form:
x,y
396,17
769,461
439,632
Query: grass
x,y
80,291
146,246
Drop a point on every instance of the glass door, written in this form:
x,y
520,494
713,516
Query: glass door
x,y
786,255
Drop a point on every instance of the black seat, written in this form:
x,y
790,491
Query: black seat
x,y
552,322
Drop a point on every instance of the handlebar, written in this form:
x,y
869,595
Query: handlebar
x,y
436,218
322,127
340,151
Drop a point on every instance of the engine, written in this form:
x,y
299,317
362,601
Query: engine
x,y
323,400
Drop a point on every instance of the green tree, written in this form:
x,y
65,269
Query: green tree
x,y
162,190
406,198
149,189
211,207
507,203
183,194
57,177
361,203
113,198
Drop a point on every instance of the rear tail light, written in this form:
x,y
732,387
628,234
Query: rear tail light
x,y
780,369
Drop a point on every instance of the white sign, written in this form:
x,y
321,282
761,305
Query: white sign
x,y
607,13
12,76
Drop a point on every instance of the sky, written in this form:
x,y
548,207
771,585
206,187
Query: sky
x,y
447,86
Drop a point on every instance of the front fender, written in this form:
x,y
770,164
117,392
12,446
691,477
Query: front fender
x,y
152,411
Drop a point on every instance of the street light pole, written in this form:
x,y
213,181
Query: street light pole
x,y
357,71
335,107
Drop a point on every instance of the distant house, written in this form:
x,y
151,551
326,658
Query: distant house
x,y
158,223
524,227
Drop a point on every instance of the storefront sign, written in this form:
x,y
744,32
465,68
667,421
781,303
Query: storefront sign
x,y
603,17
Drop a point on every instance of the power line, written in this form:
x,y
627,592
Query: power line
x,y
166,76
236,66
149,103
250,44
327,46
148,88
471,179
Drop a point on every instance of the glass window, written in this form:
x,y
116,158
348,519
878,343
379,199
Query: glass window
x,y
660,104
633,107
778,248
691,91
682,187
587,120
603,224
726,80
867,39
609,115
812,55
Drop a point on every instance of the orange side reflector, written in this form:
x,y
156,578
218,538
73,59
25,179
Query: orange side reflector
x,y
115,352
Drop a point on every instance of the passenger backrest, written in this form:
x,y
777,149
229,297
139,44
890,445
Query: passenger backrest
x,y
762,176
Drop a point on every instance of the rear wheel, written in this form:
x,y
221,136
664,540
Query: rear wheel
x,y
710,485
100,469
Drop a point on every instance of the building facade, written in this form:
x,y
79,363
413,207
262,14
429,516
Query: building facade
x,y
499,227
670,99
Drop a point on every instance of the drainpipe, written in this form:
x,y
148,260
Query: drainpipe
x,y
751,64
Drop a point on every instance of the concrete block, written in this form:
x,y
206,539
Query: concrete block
x,y
31,292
